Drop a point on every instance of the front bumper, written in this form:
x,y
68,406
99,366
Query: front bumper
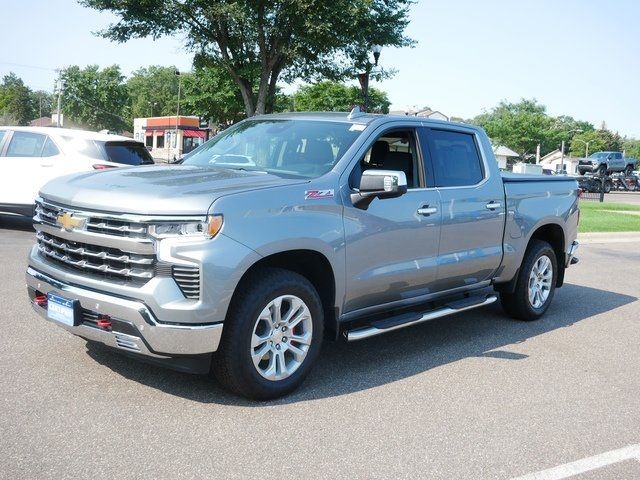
x,y
135,329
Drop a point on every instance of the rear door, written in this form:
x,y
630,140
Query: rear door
x,y
28,161
472,206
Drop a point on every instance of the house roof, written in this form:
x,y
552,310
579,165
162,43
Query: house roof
x,y
504,151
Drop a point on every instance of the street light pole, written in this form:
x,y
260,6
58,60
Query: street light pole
x,y
363,78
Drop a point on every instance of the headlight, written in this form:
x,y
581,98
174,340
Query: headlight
x,y
208,229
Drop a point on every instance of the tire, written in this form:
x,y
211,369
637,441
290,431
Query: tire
x,y
518,304
607,186
628,171
601,170
252,319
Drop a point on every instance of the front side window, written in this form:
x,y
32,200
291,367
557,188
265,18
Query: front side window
x,y
295,148
394,150
455,158
26,144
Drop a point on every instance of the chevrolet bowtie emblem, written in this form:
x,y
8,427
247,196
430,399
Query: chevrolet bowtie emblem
x,y
67,221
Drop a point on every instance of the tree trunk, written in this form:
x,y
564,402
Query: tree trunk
x,y
263,92
247,96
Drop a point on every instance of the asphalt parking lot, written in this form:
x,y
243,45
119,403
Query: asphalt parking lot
x,y
473,396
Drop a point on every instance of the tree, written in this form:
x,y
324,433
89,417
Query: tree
x,y
631,146
97,99
333,96
599,140
260,41
16,101
209,92
520,126
153,91
42,103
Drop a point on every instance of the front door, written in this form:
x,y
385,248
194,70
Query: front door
x,y
392,246
472,205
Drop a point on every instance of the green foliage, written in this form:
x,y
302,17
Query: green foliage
x,y
153,91
258,41
209,92
97,99
337,97
17,106
598,140
631,146
520,126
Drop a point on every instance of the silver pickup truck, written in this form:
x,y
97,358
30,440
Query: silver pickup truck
x,y
288,229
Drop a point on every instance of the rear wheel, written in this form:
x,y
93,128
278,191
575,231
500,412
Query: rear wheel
x,y
272,335
535,285
628,171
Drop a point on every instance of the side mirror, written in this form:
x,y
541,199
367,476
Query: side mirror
x,y
379,184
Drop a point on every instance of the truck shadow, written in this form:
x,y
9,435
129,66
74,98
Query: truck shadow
x,y
346,368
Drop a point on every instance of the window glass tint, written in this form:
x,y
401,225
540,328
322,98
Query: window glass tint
x,y
25,144
455,158
1,135
49,149
299,148
394,150
128,153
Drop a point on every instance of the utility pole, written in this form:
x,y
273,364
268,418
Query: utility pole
x,y
562,157
60,89
178,114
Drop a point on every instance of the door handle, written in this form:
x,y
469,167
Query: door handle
x,y
493,205
427,210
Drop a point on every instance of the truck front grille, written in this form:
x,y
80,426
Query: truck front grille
x,y
109,262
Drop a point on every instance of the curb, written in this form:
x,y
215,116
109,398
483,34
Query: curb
x,y
608,237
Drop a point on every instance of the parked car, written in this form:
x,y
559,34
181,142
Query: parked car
x,y
34,155
603,163
289,228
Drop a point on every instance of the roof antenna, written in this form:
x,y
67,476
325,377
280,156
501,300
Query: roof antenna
x,y
355,113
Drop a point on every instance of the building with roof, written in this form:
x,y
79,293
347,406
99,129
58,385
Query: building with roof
x,y
554,161
426,112
503,154
167,138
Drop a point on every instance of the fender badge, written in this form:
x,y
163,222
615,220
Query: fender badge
x,y
318,194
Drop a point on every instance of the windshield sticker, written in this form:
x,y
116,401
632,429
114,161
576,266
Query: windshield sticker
x,y
318,194
357,127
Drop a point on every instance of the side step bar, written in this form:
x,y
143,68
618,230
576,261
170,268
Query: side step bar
x,y
408,319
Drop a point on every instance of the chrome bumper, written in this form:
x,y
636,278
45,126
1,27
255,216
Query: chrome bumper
x,y
571,258
144,334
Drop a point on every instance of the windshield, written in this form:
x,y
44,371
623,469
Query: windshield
x,y
599,155
299,148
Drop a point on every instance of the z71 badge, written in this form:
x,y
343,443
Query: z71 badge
x,y
318,194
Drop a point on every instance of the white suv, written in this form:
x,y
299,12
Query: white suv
x,y
31,156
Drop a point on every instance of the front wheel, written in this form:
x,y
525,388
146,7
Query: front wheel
x,y
535,285
272,335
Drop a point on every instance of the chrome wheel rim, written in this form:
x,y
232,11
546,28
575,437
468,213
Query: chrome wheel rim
x,y
281,337
540,280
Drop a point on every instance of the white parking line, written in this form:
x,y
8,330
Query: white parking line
x,y
586,464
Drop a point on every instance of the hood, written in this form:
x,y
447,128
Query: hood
x,y
156,190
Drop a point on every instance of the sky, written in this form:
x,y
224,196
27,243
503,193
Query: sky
x,y
577,57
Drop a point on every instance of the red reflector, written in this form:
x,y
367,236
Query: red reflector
x,y
99,166
104,321
41,300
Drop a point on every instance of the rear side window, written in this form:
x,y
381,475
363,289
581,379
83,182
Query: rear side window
x,y
26,144
49,149
128,153
456,161
1,135
84,147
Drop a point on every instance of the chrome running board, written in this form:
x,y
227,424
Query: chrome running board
x,y
406,320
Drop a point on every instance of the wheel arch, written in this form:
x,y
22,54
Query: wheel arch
x,y
553,234
312,265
